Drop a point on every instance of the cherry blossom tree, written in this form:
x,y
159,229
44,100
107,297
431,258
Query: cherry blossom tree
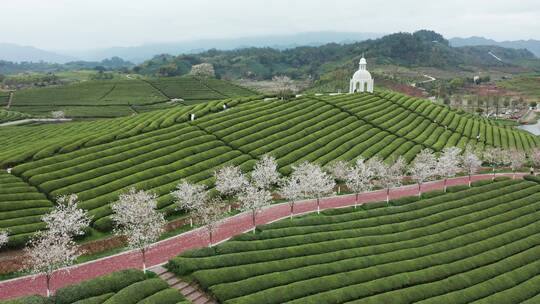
x,y
67,219
265,174
470,162
517,159
208,214
230,180
189,197
203,70
391,176
3,238
48,252
338,169
137,219
291,191
423,168
448,164
314,182
359,177
534,157
254,199
58,114
492,156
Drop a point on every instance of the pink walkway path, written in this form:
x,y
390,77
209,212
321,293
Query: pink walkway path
x,y
169,248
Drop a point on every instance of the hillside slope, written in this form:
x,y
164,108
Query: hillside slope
x,y
154,151
122,97
476,245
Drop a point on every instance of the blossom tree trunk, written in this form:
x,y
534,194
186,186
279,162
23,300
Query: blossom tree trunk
x,y
143,250
48,278
253,212
356,200
318,205
445,179
292,209
419,189
388,195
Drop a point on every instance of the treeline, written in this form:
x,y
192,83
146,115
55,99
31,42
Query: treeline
x,y
421,48
110,64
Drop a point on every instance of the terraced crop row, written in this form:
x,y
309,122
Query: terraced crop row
x,y
21,208
479,244
193,89
6,116
154,151
123,287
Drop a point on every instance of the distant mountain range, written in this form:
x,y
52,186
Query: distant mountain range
x,y
531,45
144,52
18,53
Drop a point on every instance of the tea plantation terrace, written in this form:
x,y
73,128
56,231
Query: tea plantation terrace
x,y
470,245
153,151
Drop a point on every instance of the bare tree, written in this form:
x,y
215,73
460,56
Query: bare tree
x,y
470,162
423,168
137,219
4,237
314,182
230,180
517,159
254,199
338,169
534,157
189,197
203,70
359,178
492,156
265,174
67,219
448,164
209,214
391,175
291,191
48,252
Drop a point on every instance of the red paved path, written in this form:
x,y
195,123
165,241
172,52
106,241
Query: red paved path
x,y
169,248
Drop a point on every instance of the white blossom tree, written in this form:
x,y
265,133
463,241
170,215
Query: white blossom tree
x,y
291,190
58,114
4,237
314,182
492,156
283,85
265,174
48,252
338,169
423,168
534,157
254,199
137,219
391,175
209,214
517,160
470,162
359,178
448,163
230,180
189,197
203,70
67,219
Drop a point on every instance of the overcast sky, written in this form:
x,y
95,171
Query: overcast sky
x,y
89,24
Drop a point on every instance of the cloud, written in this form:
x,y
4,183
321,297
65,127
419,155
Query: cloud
x,y
77,24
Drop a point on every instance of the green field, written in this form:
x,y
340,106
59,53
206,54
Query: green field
x,y
526,85
476,245
121,97
123,287
7,116
153,151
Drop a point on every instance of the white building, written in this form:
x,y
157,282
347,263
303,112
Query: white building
x,y
361,80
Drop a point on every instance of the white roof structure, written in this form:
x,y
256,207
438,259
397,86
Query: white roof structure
x,y
361,80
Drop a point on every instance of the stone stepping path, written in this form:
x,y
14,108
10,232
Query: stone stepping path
x,y
191,291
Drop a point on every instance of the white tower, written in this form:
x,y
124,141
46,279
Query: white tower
x,y
361,80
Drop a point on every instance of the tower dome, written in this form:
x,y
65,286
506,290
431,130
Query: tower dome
x,y
361,80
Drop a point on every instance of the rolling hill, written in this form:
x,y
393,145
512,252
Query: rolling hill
x,y
472,245
122,97
153,151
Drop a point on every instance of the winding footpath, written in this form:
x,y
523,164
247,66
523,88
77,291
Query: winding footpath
x,y
229,227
